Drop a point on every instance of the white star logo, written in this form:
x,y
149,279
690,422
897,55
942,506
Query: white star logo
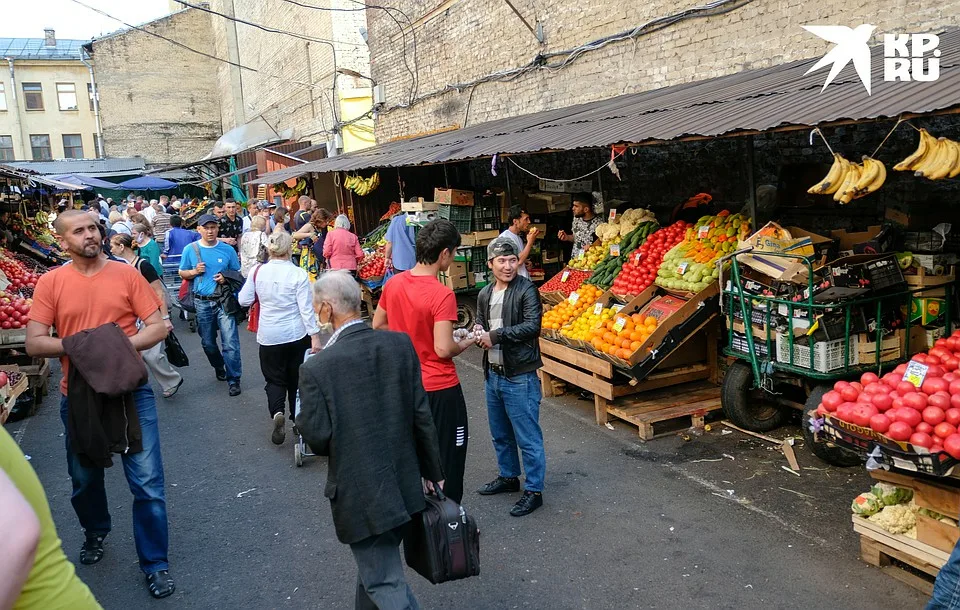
x,y
851,46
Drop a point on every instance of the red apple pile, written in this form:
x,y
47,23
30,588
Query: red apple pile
x,y
14,311
927,416
17,274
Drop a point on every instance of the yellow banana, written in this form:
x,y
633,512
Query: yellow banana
x,y
873,176
934,160
846,166
917,156
831,182
845,194
955,170
946,161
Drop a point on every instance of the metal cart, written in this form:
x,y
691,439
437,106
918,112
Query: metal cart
x,y
171,282
776,368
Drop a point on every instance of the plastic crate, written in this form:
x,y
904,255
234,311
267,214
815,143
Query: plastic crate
x,y
460,215
827,355
486,218
739,344
900,455
885,274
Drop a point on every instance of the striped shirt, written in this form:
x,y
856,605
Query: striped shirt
x,y
161,224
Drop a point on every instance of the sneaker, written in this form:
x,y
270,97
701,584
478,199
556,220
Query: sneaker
x,y
221,375
528,502
92,550
500,485
234,389
279,434
161,584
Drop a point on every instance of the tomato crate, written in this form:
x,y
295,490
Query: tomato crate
x,y
896,454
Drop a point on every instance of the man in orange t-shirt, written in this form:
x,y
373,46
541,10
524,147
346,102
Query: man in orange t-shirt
x,y
87,293
416,303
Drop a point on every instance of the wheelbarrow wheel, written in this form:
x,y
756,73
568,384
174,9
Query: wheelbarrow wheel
x,y
828,452
747,406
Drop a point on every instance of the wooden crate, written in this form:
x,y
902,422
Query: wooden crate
x,y
665,411
940,497
882,549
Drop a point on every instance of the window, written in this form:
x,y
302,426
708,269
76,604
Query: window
x,y
67,96
6,148
40,147
90,94
96,146
32,96
72,146
3,98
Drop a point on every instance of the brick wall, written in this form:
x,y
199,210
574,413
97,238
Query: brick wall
x,y
292,88
156,100
471,39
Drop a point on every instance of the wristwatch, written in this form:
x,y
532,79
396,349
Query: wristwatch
x,y
165,318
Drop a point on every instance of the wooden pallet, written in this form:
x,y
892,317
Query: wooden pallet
x,y
886,551
666,411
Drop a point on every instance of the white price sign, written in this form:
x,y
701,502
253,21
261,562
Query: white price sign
x,y
618,308
916,373
703,231
682,268
619,324
598,309
615,250
563,278
574,297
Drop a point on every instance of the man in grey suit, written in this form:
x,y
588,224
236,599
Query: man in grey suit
x,y
363,404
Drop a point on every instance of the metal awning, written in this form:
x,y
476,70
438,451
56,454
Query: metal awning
x,y
749,101
242,170
6,170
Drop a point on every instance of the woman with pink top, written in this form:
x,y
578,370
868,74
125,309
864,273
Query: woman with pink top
x,y
341,248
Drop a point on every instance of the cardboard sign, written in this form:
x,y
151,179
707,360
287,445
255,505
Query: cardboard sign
x,y
619,324
916,373
613,215
563,278
615,250
618,308
573,298
598,309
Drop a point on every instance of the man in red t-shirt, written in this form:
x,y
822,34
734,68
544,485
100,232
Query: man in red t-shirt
x,y
416,303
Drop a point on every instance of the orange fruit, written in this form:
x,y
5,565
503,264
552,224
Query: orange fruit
x,y
622,353
650,321
635,345
635,335
637,318
612,350
625,343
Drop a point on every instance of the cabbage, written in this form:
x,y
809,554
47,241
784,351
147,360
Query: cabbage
x,y
890,495
866,504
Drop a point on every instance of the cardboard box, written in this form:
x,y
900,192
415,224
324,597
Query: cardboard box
x,y
456,277
821,244
548,203
576,186
419,205
453,196
478,238
874,240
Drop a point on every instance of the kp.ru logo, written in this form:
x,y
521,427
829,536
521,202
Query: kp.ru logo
x,y
904,55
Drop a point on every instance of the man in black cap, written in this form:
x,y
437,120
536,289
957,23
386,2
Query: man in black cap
x,y
508,328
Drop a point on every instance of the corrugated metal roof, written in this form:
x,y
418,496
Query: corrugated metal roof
x,y
753,100
15,172
35,48
121,166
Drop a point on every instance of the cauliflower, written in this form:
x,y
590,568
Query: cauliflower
x,y
896,519
607,231
633,218
866,504
891,494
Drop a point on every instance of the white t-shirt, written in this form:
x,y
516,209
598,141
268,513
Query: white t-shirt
x,y
149,213
522,271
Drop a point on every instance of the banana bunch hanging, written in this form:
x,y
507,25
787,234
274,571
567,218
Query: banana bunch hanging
x,y
289,192
935,158
363,186
847,180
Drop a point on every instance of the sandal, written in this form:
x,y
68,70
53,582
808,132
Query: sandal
x,y
161,584
169,393
92,550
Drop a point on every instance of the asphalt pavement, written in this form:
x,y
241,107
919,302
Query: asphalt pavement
x,y
709,522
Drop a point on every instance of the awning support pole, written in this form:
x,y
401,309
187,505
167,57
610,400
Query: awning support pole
x,y
751,184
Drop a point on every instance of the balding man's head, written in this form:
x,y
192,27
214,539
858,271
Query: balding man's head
x,y
79,233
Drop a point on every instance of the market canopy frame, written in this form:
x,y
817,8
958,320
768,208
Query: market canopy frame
x,y
752,101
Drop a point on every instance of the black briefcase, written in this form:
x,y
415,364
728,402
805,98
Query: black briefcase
x,y
443,542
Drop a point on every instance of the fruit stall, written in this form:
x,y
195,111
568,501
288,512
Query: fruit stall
x,y
636,313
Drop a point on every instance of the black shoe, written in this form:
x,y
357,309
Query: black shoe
x,y
500,485
279,434
528,502
234,389
92,550
221,375
161,584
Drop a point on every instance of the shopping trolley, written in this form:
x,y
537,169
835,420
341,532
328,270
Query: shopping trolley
x,y
300,447
171,282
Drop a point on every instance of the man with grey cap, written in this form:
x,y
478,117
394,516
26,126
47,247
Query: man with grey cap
x,y
508,328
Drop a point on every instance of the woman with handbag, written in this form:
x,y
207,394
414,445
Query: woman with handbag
x,y
281,313
170,380
253,245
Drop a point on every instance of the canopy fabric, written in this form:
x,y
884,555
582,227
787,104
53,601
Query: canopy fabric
x,y
147,183
86,181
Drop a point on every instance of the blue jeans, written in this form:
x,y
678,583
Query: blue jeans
x,y
946,590
513,408
210,319
144,472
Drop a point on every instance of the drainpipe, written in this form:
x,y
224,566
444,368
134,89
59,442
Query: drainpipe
x,y
96,106
15,101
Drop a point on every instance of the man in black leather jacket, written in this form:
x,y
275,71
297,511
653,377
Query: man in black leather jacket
x,y
508,328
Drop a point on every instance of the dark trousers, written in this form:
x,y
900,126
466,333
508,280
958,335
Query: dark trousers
x,y
450,418
381,584
280,365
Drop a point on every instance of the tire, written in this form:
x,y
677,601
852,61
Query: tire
x,y
745,406
466,312
297,455
828,452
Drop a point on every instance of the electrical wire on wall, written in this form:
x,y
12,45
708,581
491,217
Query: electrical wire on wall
x,y
542,60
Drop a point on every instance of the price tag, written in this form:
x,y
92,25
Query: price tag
x,y
636,258
615,250
682,268
581,256
916,373
703,231
619,324
563,278
598,309
573,298
618,308
613,215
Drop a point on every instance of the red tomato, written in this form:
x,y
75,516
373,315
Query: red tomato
x,y
849,393
838,386
953,416
915,400
951,445
900,431
933,415
939,400
919,439
944,430
952,363
867,378
935,370
905,387
831,400
845,411
924,427
882,402
932,385
909,416
892,379
880,423
921,358
900,370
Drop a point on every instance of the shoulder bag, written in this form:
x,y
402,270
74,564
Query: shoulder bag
x,y
185,296
253,316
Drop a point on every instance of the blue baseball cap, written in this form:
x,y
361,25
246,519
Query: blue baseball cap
x,y
207,218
